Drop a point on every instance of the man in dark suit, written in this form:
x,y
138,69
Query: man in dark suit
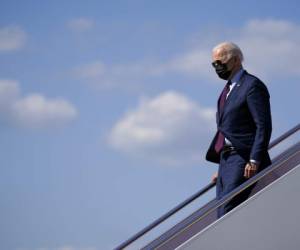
x,y
240,146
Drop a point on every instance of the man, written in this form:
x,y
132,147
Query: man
x,y
240,145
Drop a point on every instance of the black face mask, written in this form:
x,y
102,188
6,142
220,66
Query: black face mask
x,y
221,70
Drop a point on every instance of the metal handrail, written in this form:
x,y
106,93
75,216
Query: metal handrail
x,y
195,196
284,136
206,210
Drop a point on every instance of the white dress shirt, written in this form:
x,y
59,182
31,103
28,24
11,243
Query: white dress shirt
x,y
234,80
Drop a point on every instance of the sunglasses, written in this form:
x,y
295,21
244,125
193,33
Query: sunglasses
x,y
219,63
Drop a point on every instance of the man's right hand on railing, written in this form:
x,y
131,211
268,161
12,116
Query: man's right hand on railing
x,y
214,177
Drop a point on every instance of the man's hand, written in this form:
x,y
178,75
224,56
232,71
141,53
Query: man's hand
x,y
250,169
214,177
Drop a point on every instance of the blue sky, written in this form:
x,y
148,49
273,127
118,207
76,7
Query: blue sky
x,y
107,108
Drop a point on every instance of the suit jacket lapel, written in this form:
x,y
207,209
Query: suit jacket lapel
x,y
231,96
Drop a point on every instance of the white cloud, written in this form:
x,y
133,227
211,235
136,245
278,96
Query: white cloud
x,y
270,47
194,63
102,74
12,38
80,24
9,93
92,70
169,128
34,110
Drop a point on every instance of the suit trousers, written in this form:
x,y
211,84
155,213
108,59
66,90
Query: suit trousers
x,y
230,176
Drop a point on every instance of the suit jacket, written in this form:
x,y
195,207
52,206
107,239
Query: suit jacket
x,y
246,121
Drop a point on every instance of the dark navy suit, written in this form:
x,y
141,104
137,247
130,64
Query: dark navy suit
x,y
246,122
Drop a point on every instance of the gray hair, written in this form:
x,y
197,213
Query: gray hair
x,y
231,50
